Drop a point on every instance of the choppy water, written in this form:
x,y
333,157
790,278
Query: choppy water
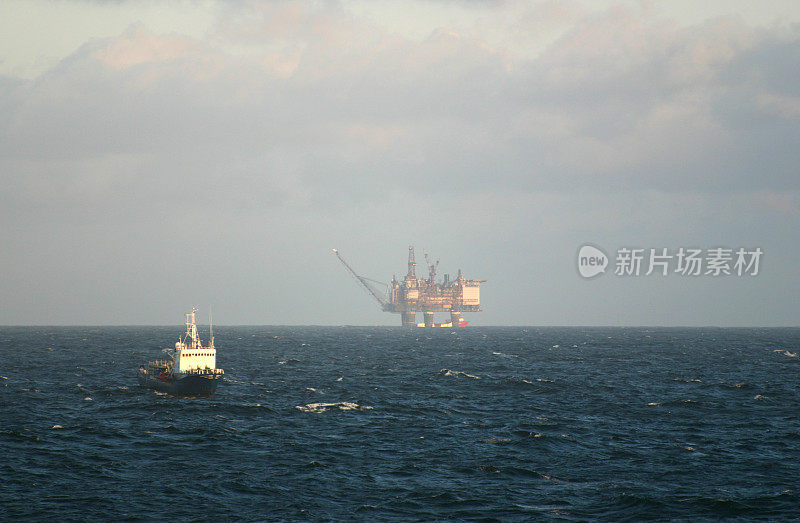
x,y
386,423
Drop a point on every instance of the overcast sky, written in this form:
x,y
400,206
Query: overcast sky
x,y
160,155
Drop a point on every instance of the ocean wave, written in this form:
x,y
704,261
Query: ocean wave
x,y
530,382
496,441
322,407
246,408
19,435
498,448
448,372
672,403
733,385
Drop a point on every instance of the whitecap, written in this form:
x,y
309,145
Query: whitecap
x,y
448,372
322,407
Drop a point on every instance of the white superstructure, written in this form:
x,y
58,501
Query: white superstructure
x,y
190,356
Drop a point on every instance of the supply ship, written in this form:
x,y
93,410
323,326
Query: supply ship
x,y
191,369
460,323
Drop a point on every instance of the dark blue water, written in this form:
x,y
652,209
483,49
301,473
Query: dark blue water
x,y
385,423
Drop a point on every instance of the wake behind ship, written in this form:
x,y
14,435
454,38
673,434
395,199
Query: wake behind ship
x,y
191,369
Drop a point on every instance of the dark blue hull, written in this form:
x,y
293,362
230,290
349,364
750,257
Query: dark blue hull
x,y
194,385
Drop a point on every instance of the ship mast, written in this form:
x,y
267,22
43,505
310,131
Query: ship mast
x,y
191,328
210,327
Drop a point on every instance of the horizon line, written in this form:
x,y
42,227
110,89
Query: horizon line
x,y
420,328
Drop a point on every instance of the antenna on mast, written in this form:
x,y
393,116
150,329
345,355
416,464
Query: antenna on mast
x,y
210,326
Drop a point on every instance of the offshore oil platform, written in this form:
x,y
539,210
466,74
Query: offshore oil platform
x,y
413,294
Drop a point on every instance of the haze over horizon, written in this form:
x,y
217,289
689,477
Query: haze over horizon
x,y
158,156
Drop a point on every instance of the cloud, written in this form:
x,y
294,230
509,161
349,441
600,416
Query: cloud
x,y
620,100
136,46
290,125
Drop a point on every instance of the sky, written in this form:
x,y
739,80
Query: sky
x,y
156,156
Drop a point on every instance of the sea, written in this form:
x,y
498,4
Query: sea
x,y
393,424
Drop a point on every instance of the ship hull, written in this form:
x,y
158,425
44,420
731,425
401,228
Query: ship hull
x,y
193,385
461,323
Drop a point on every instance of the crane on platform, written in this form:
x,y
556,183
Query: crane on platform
x,y
366,282
431,268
